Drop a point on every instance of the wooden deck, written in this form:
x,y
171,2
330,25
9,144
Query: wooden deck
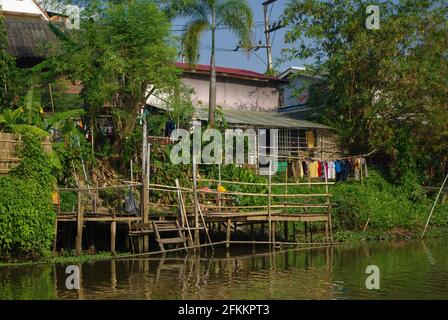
x,y
200,214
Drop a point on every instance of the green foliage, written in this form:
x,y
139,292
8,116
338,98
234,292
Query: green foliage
x,y
30,116
123,50
384,87
26,214
387,205
8,71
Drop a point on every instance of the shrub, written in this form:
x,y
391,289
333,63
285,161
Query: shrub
x,y
26,215
387,205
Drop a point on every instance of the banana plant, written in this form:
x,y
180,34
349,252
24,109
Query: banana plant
x,y
30,116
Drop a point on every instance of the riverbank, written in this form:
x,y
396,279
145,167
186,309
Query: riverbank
x,y
66,259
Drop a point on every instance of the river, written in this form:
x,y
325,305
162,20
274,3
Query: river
x,y
407,270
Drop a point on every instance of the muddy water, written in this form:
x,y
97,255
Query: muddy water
x,y
408,270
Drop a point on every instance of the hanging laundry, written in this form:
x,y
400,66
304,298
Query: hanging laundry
x,y
357,168
331,170
319,169
314,169
301,172
306,167
364,167
342,170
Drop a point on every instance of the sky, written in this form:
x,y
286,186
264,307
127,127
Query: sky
x,y
226,42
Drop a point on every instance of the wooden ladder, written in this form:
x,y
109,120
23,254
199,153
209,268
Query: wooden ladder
x,y
162,227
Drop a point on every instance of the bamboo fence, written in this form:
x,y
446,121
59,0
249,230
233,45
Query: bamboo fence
x,y
10,149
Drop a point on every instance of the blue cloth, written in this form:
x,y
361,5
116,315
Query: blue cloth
x,y
337,166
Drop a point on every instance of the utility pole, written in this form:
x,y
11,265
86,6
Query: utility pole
x,y
267,33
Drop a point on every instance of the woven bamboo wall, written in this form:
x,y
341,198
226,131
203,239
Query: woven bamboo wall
x,y
9,151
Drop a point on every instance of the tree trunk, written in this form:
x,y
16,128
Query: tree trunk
x,y
124,129
212,96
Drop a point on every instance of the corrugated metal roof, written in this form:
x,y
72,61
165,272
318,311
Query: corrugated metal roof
x,y
229,72
28,38
262,119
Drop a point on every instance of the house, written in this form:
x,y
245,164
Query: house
x,y
253,100
28,31
23,9
237,89
296,93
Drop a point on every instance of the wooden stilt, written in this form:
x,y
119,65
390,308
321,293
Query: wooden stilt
x,y
113,233
306,231
311,232
285,230
55,240
79,224
229,227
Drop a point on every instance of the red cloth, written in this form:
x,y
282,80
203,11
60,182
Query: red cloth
x,y
319,170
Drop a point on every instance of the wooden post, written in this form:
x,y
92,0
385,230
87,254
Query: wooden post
x,y
144,203
434,205
269,200
285,230
79,223
113,233
311,232
328,224
196,203
55,240
229,222
285,224
306,231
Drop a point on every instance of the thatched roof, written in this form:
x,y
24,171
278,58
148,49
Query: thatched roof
x,y
28,38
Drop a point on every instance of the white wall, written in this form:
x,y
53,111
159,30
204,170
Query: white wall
x,y
22,8
230,93
234,93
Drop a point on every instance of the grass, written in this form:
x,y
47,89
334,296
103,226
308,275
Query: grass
x,y
68,259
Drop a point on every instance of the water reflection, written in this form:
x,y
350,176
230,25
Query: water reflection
x,y
215,275
409,270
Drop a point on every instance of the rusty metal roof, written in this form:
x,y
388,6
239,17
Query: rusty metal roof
x,y
262,119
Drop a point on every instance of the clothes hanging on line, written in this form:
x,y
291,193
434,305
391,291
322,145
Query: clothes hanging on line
x,y
314,169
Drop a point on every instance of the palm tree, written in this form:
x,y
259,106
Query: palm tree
x,y
211,15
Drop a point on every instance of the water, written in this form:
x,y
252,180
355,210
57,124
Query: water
x,y
408,270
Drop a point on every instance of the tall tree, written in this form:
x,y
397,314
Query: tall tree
x,y
211,15
383,87
122,51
